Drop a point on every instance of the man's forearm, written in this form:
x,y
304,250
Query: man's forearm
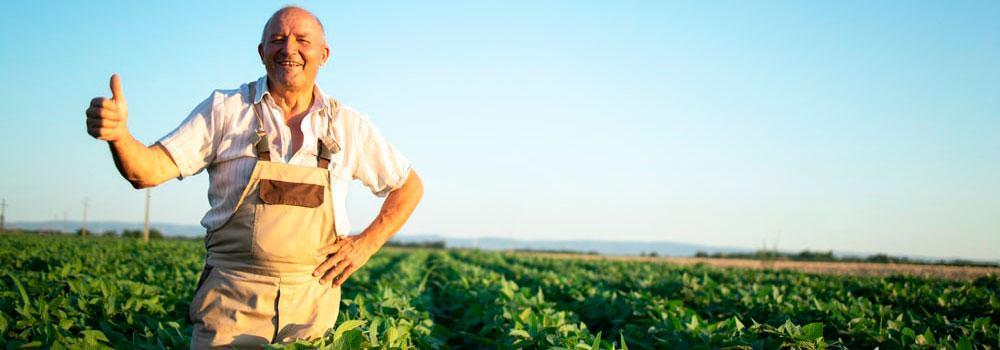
x,y
395,211
142,166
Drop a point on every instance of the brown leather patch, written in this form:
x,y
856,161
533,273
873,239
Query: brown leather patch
x,y
291,193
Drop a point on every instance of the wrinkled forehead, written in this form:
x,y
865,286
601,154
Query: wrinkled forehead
x,y
295,22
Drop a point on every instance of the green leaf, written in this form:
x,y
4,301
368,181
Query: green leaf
x,y
929,337
373,332
20,289
31,345
63,323
981,324
812,331
508,291
346,326
92,337
524,315
390,336
693,324
964,344
520,333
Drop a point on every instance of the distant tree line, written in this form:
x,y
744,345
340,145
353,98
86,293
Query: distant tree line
x,y
422,244
153,233
555,251
807,255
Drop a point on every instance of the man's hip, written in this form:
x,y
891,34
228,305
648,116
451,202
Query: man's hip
x,y
241,308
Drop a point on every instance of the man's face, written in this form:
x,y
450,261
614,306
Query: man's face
x,y
293,49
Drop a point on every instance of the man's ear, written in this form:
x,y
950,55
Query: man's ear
x,y
260,52
326,54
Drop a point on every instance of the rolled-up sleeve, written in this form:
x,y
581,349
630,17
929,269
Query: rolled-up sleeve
x,y
193,143
380,167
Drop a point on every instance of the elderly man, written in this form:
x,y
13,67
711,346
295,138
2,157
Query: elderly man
x,y
279,154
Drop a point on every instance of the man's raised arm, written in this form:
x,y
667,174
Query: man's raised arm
x,y
142,166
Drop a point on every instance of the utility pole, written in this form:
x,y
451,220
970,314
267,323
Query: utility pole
x,y
3,212
86,203
145,226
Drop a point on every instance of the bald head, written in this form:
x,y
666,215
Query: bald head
x,y
292,49
288,11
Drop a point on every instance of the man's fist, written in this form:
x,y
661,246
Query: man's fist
x,y
106,116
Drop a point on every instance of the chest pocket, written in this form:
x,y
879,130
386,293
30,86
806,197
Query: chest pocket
x,y
290,193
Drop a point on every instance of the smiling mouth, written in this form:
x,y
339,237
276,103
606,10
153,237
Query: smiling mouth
x,y
289,64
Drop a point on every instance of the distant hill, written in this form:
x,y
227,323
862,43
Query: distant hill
x,y
663,248
168,229
487,243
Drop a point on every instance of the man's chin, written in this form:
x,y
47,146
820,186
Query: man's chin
x,y
286,82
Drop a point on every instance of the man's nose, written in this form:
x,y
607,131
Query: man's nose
x,y
290,45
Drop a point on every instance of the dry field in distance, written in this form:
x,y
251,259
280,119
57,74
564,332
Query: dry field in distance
x,y
833,268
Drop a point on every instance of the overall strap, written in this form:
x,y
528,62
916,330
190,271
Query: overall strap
x,y
261,145
325,152
323,155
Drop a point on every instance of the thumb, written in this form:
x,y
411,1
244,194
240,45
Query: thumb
x,y
116,89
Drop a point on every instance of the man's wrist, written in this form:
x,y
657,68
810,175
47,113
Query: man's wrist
x,y
370,241
122,141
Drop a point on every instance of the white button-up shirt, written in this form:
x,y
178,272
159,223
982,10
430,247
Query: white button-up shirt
x,y
220,132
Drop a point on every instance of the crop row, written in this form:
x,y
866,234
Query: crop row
x,y
431,301
668,306
67,292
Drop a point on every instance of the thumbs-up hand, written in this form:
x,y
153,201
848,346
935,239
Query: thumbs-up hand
x,y
106,116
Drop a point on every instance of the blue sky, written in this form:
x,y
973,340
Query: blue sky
x,y
853,126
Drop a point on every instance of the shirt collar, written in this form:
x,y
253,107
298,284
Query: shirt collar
x,y
320,100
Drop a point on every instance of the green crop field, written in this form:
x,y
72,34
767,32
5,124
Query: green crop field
x,y
68,292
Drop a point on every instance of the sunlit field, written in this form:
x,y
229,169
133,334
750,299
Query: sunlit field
x,y
60,291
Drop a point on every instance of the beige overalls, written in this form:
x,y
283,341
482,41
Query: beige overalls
x,y
257,286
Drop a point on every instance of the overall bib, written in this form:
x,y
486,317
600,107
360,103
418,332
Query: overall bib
x,y
257,286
